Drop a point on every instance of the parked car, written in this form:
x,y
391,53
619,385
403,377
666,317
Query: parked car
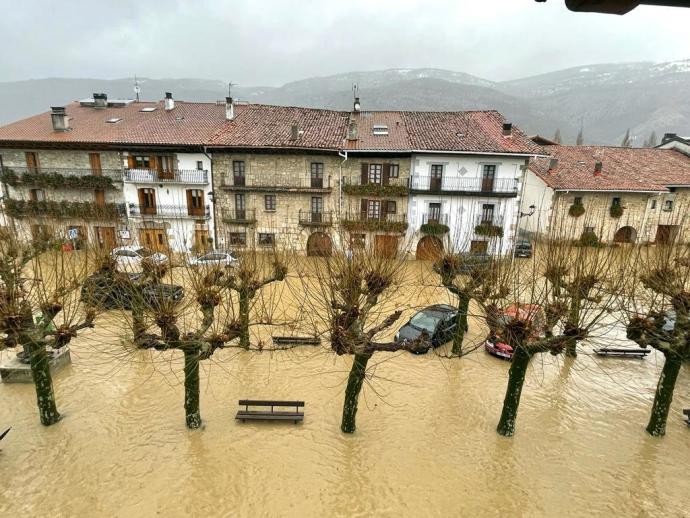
x,y
215,258
119,291
438,321
129,258
523,248
494,344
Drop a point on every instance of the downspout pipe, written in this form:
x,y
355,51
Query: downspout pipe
x,y
213,202
342,154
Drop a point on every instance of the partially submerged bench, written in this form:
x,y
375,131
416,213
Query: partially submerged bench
x,y
272,414
623,352
296,340
687,416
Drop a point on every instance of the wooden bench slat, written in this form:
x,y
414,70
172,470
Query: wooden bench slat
x,y
263,412
260,402
270,417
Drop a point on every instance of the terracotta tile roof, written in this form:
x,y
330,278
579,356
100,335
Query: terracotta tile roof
x,y
265,126
480,131
396,138
187,123
623,169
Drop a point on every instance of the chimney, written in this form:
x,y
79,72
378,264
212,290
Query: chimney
x,y
59,117
597,168
100,100
169,101
553,164
294,134
229,108
352,131
667,137
357,107
507,129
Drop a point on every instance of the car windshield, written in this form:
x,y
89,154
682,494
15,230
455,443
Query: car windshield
x,y
426,321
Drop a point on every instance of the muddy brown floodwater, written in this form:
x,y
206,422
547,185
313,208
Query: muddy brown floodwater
x,y
425,445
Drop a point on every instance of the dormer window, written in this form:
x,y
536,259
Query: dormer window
x,y
380,130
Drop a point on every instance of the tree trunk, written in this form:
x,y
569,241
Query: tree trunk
x,y
460,324
354,386
191,388
43,381
516,378
244,319
664,395
138,324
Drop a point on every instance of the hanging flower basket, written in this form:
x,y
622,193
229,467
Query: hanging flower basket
x,y
576,210
434,229
616,211
488,230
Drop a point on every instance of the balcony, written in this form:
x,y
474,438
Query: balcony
x,y
395,187
61,178
64,209
277,183
187,176
239,216
435,218
434,224
315,219
503,187
169,211
354,222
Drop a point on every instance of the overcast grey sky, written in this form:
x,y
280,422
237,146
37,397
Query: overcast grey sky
x,y
271,42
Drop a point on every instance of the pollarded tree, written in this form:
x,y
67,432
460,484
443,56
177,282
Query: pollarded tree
x,y
352,290
40,310
659,295
521,317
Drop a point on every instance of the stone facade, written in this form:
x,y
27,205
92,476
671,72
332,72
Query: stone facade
x,y
277,195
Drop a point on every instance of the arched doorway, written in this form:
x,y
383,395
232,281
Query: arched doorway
x,y
429,248
625,235
319,245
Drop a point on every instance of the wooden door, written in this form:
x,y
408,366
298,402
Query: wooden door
x,y
479,247
316,209
99,195
95,162
147,201
31,162
166,167
240,211
154,239
488,178
429,248
386,246
106,237
195,202
319,245
436,180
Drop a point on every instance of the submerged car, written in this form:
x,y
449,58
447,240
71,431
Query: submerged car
x,y
523,248
533,313
215,258
437,321
119,291
129,258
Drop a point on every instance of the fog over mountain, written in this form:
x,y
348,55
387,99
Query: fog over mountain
x,y
606,99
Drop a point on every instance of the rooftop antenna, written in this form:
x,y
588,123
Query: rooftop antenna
x,y
230,85
136,87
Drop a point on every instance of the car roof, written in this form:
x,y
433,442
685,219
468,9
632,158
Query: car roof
x,y
131,248
438,308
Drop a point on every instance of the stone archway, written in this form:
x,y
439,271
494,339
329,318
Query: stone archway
x,y
429,248
625,235
319,245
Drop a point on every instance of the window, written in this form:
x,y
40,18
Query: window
x,y
380,130
588,230
487,213
668,205
266,239
238,167
577,200
391,207
488,175
436,170
239,201
270,202
615,202
375,171
37,195
316,175
195,202
141,161
395,171
436,180
237,238
652,205
374,209
316,205
434,213
167,163
200,165
148,198
113,120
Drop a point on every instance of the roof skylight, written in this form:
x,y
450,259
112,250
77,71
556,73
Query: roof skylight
x,y
114,120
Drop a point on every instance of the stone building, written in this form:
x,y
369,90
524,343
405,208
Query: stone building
x,y
620,195
113,171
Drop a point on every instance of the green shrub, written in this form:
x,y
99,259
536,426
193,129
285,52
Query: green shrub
x,y
59,181
375,189
488,230
374,224
62,209
434,229
589,239
576,210
616,210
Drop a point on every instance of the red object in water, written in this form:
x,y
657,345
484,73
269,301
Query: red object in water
x,y
67,247
495,347
532,313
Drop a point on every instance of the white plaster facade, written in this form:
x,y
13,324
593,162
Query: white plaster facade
x,y
465,198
